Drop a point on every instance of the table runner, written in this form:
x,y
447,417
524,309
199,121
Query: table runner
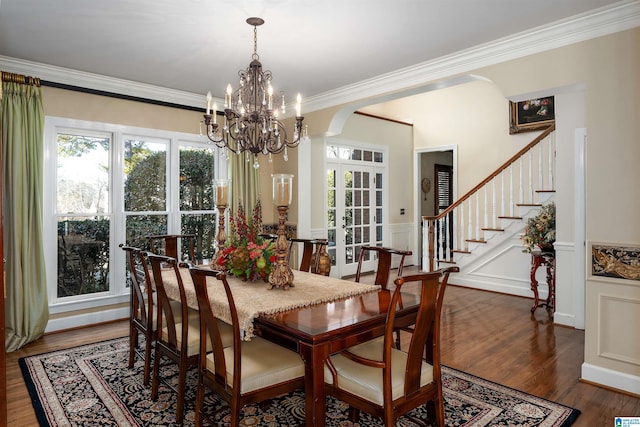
x,y
255,299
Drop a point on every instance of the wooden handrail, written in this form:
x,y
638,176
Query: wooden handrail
x,y
484,182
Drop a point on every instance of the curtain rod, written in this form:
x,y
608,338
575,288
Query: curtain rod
x,y
19,78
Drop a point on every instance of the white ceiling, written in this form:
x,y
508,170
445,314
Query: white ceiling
x,y
314,47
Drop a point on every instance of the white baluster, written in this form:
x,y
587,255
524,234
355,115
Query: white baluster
x,y
476,234
511,189
552,163
461,243
494,214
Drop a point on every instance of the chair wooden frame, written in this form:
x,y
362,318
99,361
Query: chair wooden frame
x,y
425,336
310,246
219,381
172,245
385,258
383,271
141,311
169,346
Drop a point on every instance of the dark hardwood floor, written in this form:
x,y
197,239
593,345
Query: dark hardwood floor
x,y
489,335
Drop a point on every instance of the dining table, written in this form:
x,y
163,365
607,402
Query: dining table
x,y
317,317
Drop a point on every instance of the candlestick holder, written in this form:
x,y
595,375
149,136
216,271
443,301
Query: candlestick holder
x,y
281,275
222,199
222,235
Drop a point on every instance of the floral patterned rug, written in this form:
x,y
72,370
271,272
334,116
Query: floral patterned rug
x,y
91,385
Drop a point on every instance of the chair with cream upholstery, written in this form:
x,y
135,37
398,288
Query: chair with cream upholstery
x,y
142,308
387,382
247,372
179,340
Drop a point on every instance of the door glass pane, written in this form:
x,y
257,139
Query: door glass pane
x,y
365,179
83,255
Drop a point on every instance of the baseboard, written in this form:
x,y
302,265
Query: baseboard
x,y
69,322
611,379
564,319
514,288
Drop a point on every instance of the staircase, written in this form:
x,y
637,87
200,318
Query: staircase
x,y
484,226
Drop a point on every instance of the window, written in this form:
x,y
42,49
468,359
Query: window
x,y
109,184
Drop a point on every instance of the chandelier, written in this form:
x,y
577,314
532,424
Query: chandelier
x,y
250,123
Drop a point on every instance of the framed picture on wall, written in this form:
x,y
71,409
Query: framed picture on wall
x,y
532,114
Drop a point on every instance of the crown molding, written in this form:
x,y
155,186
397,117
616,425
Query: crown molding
x,y
599,22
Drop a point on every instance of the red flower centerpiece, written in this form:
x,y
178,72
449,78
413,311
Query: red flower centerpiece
x,y
245,254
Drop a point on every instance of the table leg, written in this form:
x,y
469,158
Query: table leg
x,y
551,281
535,263
314,357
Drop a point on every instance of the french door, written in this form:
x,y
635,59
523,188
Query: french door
x,y
355,213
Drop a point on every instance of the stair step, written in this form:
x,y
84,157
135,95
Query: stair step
x,y
446,261
492,229
475,241
545,191
509,217
460,251
529,204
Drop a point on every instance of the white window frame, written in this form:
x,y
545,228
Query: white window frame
x,y
118,292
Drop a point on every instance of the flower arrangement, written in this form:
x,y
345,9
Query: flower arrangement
x,y
246,254
540,231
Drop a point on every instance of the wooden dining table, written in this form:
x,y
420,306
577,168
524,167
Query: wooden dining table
x,y
307,319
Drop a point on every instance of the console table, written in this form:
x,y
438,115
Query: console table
x,y
548,260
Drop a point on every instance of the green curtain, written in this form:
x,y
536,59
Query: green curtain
x,y
245,182
22,122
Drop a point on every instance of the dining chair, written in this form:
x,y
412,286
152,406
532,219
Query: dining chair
x,y
246,372
178,339
309,247
385,258
172,245
387,382
142,314
383,270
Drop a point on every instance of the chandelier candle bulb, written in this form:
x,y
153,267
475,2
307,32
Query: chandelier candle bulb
x,y
227,97
299,106
209,102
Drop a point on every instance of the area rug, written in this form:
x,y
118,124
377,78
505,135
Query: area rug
x,y
91,385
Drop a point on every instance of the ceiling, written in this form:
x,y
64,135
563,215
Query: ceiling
x,y
314,47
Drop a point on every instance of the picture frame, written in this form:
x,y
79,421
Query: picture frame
x,y
613,262
531,115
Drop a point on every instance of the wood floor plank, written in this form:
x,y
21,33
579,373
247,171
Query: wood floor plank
x,y
486,334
